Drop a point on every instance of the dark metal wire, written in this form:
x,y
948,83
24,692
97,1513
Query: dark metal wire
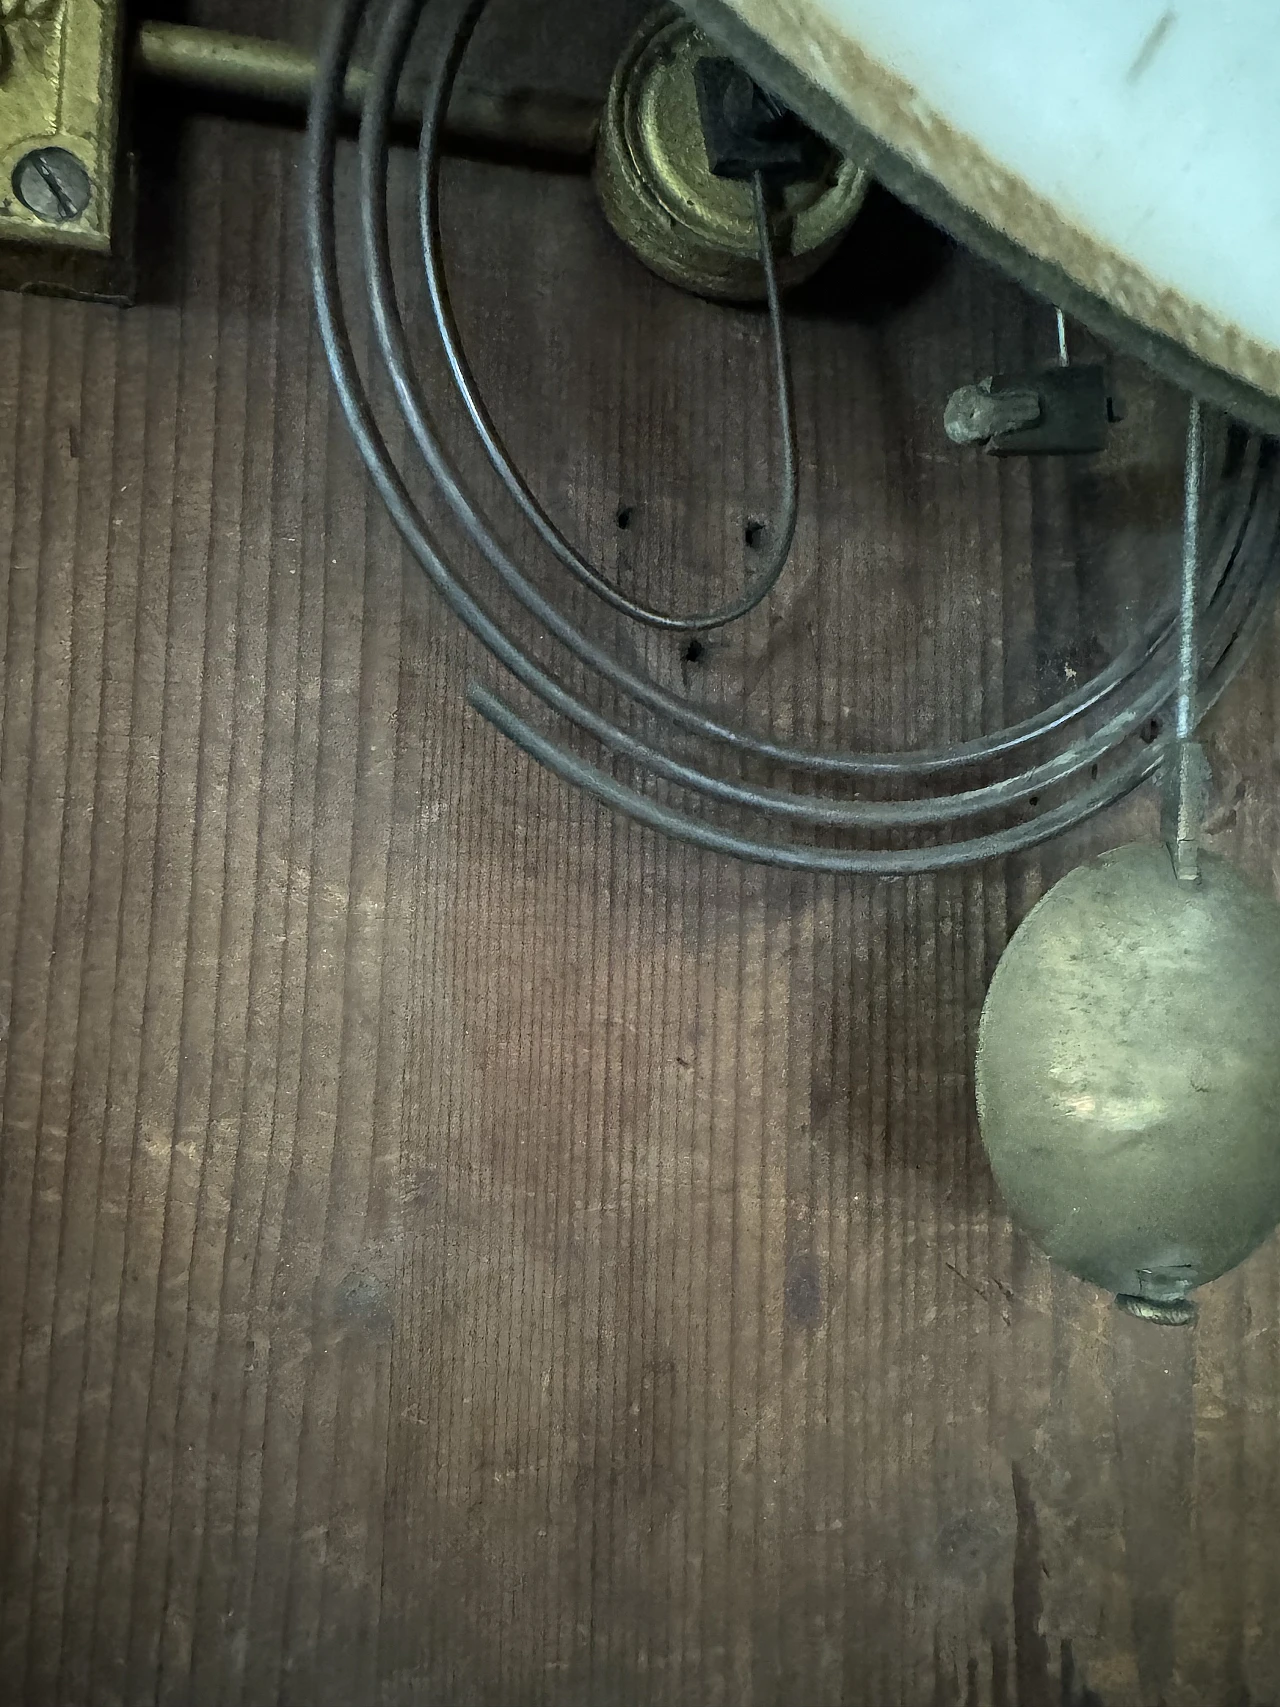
x,y
693,718
1140,683
856,862
434,120
781,532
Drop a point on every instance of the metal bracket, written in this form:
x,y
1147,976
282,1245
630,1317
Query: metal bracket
x,y
747,131
59,120
1063,411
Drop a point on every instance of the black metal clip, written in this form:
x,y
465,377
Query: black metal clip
x,y
1063,411
748,130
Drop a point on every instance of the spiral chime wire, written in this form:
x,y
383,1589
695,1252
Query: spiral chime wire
x,y
1077,756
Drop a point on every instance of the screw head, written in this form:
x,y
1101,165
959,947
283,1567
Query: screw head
x,y
53,184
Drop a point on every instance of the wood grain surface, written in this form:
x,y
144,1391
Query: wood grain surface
x,y
454,1246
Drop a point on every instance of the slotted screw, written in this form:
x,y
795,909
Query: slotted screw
x,y
52,184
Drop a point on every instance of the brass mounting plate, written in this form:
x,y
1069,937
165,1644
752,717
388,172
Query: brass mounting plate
x,y
59,90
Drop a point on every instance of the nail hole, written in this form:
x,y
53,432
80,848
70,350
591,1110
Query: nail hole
x,y
1034,800
753,533
1150,729
693,651
624,516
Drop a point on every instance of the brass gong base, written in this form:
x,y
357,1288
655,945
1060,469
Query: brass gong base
x,y
655,183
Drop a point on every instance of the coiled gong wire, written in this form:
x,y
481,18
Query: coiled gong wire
x,y
1079,755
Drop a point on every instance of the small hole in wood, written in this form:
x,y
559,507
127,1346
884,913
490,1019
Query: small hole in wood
x,y
693,651
754,533
623,518
1150,729
1033,801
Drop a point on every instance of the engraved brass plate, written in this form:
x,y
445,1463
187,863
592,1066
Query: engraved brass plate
x,y
59,120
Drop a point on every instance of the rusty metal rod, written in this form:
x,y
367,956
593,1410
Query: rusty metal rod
x,y
523,124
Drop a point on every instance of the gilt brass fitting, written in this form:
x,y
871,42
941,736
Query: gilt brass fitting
x,y
59,120
659,194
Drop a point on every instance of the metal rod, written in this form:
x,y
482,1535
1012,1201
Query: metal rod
x,y
1189,604
543,125
1064,354
1187,781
